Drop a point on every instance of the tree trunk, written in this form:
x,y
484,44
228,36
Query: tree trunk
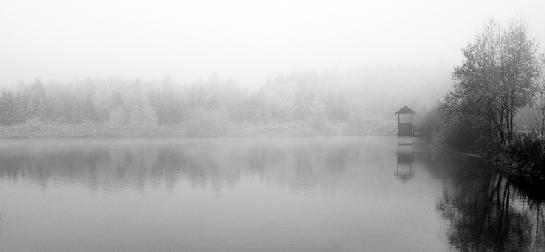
x,y
500,128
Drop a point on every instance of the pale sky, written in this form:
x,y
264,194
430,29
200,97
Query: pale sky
x,y
242,40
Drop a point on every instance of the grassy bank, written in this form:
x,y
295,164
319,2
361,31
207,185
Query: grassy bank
x,y
41,130
524,163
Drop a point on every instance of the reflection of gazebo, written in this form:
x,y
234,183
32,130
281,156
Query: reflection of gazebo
x,y
405,121
405,158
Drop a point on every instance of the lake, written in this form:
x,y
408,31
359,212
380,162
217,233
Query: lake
x,y
257,194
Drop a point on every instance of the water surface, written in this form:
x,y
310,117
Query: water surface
x,y
256,194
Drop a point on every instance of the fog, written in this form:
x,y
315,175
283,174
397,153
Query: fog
x,y
281,125
246,41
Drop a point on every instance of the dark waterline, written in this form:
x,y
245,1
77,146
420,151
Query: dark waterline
x,y
256,194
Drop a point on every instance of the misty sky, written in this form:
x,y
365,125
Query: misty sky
x,y
243,40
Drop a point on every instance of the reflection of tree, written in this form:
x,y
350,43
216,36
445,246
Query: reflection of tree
x,y
486,212
126,164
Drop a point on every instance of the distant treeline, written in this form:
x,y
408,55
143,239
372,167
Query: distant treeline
x,y
213,105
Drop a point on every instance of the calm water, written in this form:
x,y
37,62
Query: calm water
x,y
265,194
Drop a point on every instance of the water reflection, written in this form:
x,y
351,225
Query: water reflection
x,y
288,194
218,163
405,159
258,195
486,212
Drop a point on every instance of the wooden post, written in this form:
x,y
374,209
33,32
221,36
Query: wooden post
x,y
412,131
398,125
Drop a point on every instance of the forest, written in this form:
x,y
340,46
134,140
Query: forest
x,y
299,103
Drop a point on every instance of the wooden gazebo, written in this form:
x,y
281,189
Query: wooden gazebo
x,y
405,121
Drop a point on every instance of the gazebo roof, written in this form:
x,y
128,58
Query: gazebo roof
x,y
405,110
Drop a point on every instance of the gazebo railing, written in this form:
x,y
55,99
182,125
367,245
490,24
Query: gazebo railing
x,y
422,131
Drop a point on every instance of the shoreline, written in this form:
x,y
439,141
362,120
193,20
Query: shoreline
x,y
526,175
74,131
528,178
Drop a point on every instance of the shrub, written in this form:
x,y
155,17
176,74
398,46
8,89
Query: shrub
x,y
528,153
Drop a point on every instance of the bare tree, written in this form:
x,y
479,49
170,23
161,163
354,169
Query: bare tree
x,y
497,77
